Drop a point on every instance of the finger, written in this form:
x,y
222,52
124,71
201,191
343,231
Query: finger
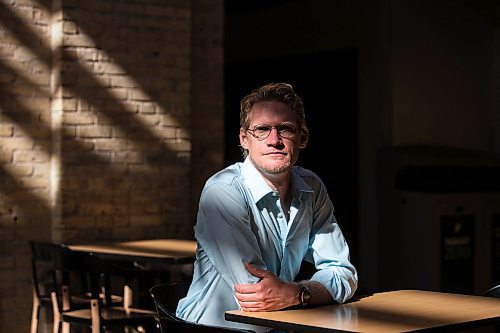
x,y
251,306
250,288
250,297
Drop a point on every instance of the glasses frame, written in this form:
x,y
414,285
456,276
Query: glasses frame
x,y
278,128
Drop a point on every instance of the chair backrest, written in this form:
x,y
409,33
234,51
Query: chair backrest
x,y
96,271
166,296
43,269
493,292
70,263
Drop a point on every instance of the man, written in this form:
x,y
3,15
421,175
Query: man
x,y
259,219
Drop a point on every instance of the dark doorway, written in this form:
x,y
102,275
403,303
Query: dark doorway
x,y
327,82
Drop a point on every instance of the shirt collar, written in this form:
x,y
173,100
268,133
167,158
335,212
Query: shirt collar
x,y
258,186
298,183
254,180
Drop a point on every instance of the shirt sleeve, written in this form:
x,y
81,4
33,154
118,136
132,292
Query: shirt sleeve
x,y
329,251
223,229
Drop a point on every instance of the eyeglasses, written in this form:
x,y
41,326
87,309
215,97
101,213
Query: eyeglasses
x,y
261,132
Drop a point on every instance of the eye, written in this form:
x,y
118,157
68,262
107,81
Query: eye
x,y
261,129
286,129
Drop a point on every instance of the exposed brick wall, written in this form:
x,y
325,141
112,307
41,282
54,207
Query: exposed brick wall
x,y
25,144
108,128
208,101
126,119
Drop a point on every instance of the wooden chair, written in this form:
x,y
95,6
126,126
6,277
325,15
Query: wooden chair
x,y
47,278
44,280
101,314
166,296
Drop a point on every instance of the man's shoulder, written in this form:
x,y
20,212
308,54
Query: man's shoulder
x,y
226,176
307,180
305,174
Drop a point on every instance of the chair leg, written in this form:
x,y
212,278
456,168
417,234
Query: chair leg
x,y
65,298
96,319
66,328
127,298
35,313
56,313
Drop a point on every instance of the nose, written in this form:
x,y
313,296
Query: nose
x,y
274,137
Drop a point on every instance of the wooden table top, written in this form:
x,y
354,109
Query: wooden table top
x,y
174,250
394,311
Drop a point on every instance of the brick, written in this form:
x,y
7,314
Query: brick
x,y
94,132
6,51
68,132
122,81
118,93
6,130
114,118
24,54
39,132
168,121
34,182
5,156
128,157
167,132
110,68
70,27
78,40
30,156
17,169
112,145
181,145
69,104
84,105
78,118
149,120
38,170
40,79
183,133
147,108
139,95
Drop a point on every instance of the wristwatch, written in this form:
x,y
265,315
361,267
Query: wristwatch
x,y
304,295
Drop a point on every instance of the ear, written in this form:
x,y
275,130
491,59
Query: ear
x,y
243,138
303,141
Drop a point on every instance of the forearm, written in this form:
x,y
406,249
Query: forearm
x,y
319,294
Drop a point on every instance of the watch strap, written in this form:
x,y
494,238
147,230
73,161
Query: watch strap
x,y
304,295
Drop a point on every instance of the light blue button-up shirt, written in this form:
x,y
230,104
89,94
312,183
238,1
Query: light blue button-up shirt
x,y
240,219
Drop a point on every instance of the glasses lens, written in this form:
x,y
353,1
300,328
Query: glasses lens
x,y
262,131
286,131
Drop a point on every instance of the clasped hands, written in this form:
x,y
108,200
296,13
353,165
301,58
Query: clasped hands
x,y
269,294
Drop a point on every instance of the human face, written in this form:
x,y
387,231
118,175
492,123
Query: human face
x,y
275,154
